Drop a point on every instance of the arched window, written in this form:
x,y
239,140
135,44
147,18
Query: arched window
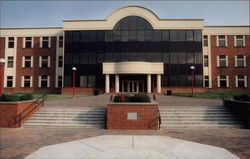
x,y
133,23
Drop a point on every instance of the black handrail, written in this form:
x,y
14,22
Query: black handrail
x,y
18,118
157,118
223,96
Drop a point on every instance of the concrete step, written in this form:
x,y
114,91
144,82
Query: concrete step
x,y
202,127
64,126
64,122
69,119
198,119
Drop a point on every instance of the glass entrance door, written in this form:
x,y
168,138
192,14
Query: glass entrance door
x,y
132,86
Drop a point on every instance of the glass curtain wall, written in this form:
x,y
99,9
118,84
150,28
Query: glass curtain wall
x,y
133,39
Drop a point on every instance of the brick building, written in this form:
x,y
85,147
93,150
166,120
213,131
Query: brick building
x,y
132,50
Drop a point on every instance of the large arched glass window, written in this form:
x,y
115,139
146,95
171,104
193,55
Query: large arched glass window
x,y
131,28
133,23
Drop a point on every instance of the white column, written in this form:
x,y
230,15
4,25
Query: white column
x,y
107,83
137,87
158,83
133,86
149,83
117,84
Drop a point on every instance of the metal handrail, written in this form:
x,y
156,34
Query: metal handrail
x,y
157,118
223,96
18,118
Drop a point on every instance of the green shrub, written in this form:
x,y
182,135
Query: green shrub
x,y
10,97
243,97
16,97
134,98
27,96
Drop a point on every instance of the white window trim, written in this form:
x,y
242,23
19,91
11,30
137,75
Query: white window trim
x,y
218,60
226,61
227,82
49,41
235,41
32,42
31,81
41,42
40,61
31,61
48,81
236,81
48,61
245,78
245,60
23,61
218,81
39,81
22,81
217,41
235,61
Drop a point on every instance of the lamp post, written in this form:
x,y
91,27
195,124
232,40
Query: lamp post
x,y
2,62
192,69
74,80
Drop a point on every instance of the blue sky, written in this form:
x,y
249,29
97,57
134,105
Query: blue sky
x,y
51,13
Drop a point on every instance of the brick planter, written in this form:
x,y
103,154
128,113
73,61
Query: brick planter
x,y
9,110
132,116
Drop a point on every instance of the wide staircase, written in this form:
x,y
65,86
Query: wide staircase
x,y
64,117
184,117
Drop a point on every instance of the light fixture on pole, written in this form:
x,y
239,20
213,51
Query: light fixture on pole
x,y
74,80
2,62
192,69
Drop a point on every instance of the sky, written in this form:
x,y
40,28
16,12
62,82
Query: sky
x,y
51,13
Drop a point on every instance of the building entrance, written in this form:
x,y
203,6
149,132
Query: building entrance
x,y
133,86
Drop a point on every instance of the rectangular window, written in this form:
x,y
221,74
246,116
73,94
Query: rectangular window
x,y
241,81
28,42
222,61
91,81
27,61
206,81
10,62
44,81
59,82
44,61
205,60
240,61
27,81
223,81
9,81
83,81
45,42
205,41
11,42
221,41
60,41
60,61
239,41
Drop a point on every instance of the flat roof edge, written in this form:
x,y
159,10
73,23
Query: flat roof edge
x,y
84,20
32,28
227,26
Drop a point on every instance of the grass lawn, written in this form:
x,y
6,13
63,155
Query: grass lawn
x,y
52,96
212,95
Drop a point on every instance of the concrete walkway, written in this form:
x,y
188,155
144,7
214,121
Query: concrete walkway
x,y
131,147
163,100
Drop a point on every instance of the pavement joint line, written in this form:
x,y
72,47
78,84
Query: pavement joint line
x,y
133,146
92,146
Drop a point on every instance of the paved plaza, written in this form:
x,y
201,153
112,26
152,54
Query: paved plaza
x,y
21,142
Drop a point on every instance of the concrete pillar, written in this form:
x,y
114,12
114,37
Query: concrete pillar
x,y
158,83
133,86
122,86
137,87
149,83
107,88
117,84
